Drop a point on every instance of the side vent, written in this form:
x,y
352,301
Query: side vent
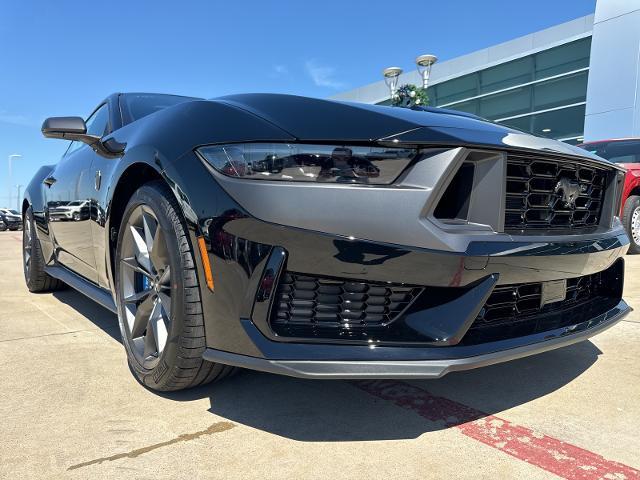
x,y
454,204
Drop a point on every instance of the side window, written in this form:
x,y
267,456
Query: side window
x,y
73,147
98,122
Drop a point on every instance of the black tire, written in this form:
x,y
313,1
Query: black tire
x,y
33,261
178,364
632,209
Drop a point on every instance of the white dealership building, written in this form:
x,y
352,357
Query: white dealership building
x,y
574,81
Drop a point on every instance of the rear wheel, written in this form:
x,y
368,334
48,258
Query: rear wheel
x,y
33,261
159,306
631,220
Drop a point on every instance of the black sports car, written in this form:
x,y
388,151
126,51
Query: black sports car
x,y
324,239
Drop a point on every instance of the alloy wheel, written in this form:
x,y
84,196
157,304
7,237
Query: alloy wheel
x,y
145,279
635,225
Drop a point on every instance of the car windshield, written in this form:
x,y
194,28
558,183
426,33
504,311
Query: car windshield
x,y
137,105
618,151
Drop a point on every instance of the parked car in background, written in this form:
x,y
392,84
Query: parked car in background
x,y
11,218
76,210
3,226
625,152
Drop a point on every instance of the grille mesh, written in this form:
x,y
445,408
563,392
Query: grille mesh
x,y
535,189
513,303
323,303
514,310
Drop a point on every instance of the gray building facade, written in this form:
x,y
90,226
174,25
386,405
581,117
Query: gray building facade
x,y
569,82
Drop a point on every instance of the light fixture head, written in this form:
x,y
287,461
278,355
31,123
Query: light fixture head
x,y
424,64
426,60
391,77
392,72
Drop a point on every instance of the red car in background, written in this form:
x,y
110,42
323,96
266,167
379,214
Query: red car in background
x,y
627,153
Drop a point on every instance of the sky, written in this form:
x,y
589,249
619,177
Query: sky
x,y
63,57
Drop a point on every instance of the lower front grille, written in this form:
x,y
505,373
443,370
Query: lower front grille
x,y
517,310
320,308
323,307
553,193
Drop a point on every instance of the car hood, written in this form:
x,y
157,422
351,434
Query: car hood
x,y
316,120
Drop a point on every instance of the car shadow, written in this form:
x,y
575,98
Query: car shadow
x,y
104,319
338,410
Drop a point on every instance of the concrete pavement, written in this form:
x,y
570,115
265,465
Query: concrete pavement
x,y
70,408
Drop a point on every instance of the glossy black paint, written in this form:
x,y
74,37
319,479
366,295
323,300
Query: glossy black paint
x,y
384,362
248,254
332,352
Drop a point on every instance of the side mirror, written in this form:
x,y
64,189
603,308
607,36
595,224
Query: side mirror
x,y
74,129
68,128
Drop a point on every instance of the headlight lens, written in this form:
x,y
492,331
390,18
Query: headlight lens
x,y
309,163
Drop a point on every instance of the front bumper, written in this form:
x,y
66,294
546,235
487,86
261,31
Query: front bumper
x,y
245,338
250,223
391,364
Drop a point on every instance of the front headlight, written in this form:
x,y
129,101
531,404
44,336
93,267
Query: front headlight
x,y
309,163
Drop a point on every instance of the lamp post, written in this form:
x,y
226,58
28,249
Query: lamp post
x,y
391,77
19,207
11,157
424,64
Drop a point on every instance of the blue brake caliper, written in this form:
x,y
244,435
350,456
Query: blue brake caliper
x,y
146,282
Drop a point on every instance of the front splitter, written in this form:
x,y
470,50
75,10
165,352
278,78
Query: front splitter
x,y
404,369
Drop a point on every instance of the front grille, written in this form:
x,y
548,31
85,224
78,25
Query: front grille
x,y
537,189
516,310
323,307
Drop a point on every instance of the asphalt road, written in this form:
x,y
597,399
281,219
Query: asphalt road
x,y
70,408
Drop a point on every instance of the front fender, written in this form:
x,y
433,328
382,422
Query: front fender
x,y
35,197
631,183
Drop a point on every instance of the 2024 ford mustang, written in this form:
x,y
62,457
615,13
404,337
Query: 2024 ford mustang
x,y
323,239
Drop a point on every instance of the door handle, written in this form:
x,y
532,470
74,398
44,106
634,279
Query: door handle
x,y
49,181
98,179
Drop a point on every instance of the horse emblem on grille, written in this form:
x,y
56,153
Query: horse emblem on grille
x,y
570,191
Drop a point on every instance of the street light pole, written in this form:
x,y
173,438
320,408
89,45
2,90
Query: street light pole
x,y
19,207
391,76
424,64
11,157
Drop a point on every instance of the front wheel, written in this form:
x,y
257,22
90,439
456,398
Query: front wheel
x,y
159,308
631,220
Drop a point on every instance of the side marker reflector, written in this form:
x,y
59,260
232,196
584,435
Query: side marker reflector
x,y
206,264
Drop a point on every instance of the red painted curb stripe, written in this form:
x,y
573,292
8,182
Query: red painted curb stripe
x,y
548,453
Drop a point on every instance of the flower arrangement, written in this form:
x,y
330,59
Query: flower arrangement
x,y
409,96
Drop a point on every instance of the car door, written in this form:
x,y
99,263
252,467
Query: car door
x,y
71,183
